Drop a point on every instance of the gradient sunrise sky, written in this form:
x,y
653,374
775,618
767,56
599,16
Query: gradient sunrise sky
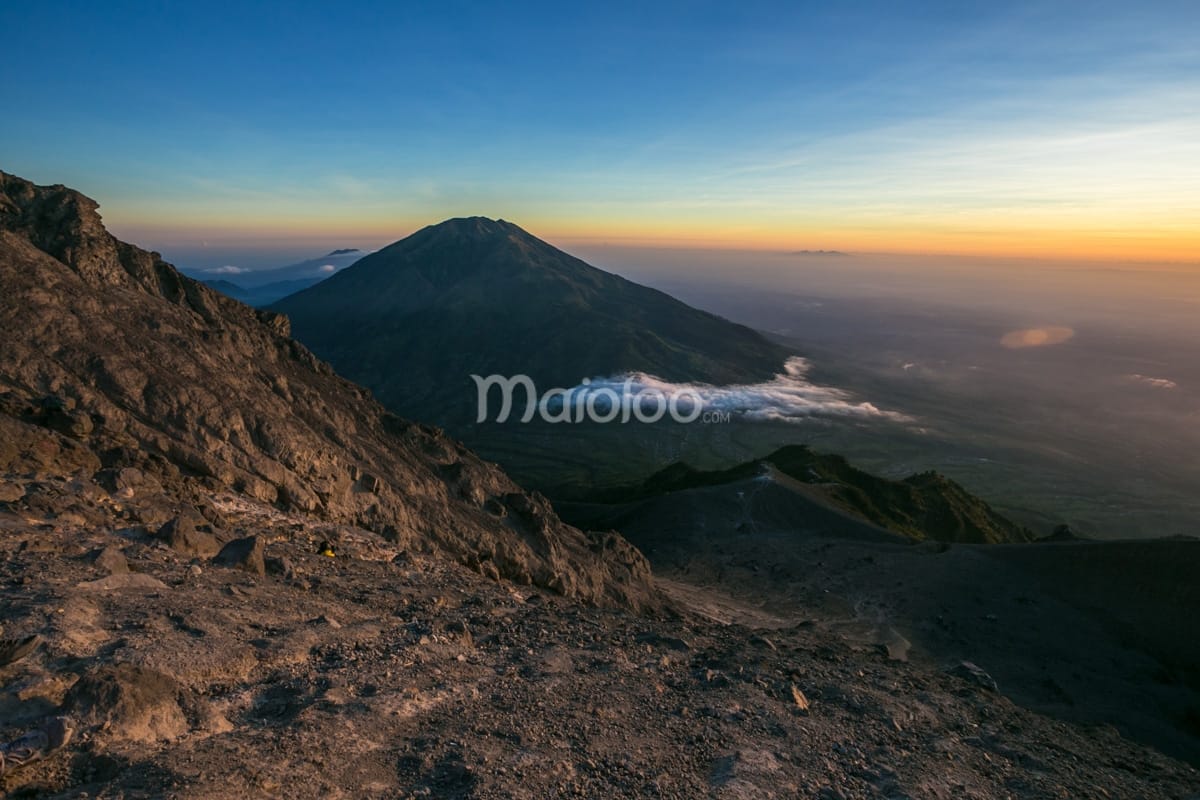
x,y
1033,129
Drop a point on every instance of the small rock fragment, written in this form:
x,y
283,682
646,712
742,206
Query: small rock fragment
x,y
11,492
281,566
763,641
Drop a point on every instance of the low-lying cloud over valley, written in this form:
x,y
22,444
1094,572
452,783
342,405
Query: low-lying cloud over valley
x,y
788,397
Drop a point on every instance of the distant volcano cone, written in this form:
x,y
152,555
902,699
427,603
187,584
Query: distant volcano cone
x,y
416,319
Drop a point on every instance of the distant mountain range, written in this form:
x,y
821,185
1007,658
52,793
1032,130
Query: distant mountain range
x,y
262,287
416,319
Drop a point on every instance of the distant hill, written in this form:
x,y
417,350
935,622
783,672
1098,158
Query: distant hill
x,y
228,288
415,320
261,296
312,269
924,506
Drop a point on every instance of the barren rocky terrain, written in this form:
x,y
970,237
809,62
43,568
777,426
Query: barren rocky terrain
x,y
378,673
1093,632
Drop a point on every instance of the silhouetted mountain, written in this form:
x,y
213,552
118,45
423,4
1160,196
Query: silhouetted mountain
x,y
124,363
415,320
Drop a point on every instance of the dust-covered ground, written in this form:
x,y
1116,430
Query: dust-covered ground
x,y
1087,631
379,673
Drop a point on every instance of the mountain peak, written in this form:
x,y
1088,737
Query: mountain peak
x,y
455,249
476,228
58,221
66,226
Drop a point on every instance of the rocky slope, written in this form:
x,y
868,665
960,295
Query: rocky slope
x,y
382,674
1088,631
113,360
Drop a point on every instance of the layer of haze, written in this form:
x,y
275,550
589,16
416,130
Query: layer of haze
x,y
1058,391
1042,293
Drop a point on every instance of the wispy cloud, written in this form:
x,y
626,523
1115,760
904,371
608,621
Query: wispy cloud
x,y
788,397
1157,383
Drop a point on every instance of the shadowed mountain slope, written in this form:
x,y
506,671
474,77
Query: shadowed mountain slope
x,y
924,506
416,319
259,296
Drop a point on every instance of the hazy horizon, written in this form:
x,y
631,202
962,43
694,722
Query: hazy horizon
x,y
254,254
1038,286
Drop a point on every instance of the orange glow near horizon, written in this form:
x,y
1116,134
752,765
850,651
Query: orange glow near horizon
x,y
1176,244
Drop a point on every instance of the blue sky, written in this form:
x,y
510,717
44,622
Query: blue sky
x,y
931,126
